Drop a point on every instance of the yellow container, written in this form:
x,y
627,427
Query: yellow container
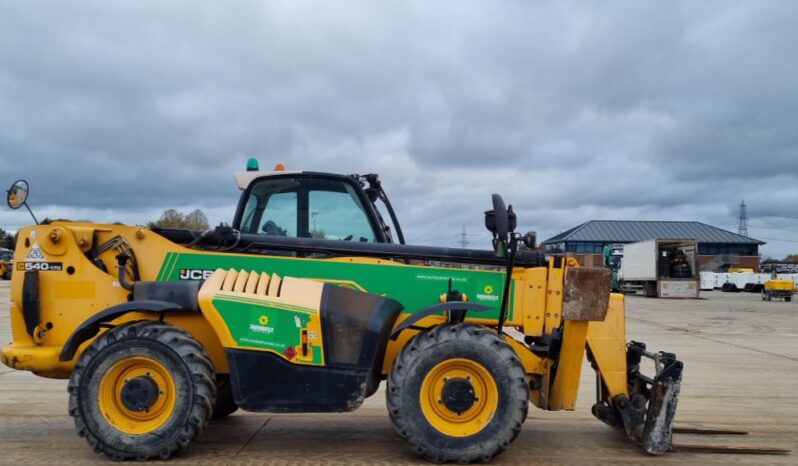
x,y
779,285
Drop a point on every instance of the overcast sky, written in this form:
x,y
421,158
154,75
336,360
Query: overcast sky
x,y
572,111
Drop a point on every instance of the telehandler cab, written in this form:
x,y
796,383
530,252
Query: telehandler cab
x,y
305,304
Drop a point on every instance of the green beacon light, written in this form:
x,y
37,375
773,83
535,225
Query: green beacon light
x,y
252,165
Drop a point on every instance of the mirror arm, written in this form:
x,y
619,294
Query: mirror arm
x,y
30,212
513,247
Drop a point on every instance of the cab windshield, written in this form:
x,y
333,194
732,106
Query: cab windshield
x,y
306,207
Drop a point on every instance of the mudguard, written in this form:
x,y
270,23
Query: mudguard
x,y
91,326
428,311
147,297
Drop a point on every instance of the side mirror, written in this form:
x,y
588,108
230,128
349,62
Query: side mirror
x,y
490,221
500,217
496,220
511,219
17,194
18,197
530,239
500,221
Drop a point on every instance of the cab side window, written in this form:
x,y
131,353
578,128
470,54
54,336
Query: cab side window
x,y
271,208
280,215
307,207
338,215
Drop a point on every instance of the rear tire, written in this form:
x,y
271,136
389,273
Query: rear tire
x,y
492,408
142,390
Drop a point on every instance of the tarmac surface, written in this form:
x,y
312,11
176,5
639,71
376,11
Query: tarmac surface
x,y
741,371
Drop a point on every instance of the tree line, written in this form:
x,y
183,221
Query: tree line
x,y
170,218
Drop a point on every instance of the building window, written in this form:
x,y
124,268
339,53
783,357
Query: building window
x,y
585,247
716,249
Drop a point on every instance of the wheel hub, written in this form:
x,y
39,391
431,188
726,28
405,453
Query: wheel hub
x,y
139,393
458,395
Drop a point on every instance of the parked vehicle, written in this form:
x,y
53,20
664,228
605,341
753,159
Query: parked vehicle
x,y
665,268
6,263
778,289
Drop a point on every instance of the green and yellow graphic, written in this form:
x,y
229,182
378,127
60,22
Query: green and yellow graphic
x,y
416,287
291,331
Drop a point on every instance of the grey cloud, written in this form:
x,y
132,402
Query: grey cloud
x,y
573,110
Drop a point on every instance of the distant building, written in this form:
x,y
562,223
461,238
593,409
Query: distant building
x,y
717,248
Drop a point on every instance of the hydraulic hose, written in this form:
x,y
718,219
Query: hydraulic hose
x,y
121,265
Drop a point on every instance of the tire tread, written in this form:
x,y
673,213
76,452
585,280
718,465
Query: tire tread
x,y
415,349
194,356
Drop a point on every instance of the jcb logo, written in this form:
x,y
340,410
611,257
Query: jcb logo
x,y
195,274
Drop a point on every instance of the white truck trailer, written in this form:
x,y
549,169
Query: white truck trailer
x,y
740,280
665,268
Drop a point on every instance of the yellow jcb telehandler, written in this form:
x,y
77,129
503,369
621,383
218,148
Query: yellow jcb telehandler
x,y
305,303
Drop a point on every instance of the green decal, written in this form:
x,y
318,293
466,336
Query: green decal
x,y
271,326
416,287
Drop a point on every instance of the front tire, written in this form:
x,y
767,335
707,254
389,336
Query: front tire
x,y
142,390
457,393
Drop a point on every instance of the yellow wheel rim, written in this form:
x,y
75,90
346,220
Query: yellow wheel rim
x,y
120,416
473,419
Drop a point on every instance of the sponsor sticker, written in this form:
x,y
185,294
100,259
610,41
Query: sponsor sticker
x,y
487,294
262,326
487,297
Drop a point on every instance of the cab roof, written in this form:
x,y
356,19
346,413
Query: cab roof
x,y
243,179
